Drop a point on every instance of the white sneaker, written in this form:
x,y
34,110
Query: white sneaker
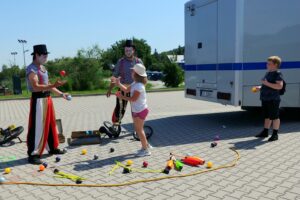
x,y
138,151
141,149
143,152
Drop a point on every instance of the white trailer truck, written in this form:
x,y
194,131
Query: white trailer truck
x,y
227,43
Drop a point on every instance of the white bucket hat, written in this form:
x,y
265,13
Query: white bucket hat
x,y
140,69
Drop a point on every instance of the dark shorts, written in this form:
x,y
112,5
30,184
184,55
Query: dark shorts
x,y
270,109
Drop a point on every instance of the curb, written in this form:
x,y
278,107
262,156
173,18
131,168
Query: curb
x,y
90,95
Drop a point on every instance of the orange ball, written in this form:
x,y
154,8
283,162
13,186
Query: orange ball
x,y
254,89
42,167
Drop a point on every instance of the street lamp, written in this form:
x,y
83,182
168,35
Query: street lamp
x,y
23,42
14,54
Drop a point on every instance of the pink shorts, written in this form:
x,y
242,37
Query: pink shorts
x,y
142,115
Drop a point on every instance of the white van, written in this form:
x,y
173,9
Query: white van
x,y
227,43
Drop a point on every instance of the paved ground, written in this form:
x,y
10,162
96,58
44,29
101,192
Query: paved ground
x,y
265,170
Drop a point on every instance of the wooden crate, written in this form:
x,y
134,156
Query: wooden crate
x,y
83,134
82,138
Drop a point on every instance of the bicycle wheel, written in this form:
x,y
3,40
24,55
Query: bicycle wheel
x,y
148,132
9,135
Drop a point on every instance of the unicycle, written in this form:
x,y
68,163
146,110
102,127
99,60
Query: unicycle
x,y
114,131
10,134
111,130
148,132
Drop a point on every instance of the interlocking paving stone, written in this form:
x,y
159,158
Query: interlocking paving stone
x,y
265,170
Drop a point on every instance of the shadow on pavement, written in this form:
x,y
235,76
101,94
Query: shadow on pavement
x,y
189,129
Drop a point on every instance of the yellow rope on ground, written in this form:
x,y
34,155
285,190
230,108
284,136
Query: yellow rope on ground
x,y
119,164
113,169
232,164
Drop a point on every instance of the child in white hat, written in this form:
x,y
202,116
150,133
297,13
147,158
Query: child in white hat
x,y
138,102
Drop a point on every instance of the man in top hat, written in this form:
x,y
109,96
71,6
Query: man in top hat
x,y
123,70
42,130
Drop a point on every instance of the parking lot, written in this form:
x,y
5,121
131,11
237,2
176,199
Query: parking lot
x,y
182,126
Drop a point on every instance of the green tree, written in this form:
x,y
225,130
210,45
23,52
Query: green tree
x,y
6,75
157,66
94,52
178,51
84,72
158,61
173,75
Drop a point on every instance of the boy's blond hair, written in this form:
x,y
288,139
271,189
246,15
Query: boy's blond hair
x,y
276,60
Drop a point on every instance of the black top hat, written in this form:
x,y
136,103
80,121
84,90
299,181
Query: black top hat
x,y
129,43
40,49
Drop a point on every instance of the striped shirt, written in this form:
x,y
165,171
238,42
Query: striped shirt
x,y
42,75
123,69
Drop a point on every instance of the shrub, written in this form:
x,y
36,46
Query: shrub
x,y
173,75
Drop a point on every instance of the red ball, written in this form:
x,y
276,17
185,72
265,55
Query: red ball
x,y
62,73
145,164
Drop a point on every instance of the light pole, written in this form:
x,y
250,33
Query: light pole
x,y
14,54
23,42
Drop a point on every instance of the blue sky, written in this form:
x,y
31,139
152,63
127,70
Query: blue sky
x,y
68,25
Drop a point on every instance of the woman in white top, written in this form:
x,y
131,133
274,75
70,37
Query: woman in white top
x,y
138,102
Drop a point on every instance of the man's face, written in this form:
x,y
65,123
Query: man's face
x,y
129,51
42,59
271,66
